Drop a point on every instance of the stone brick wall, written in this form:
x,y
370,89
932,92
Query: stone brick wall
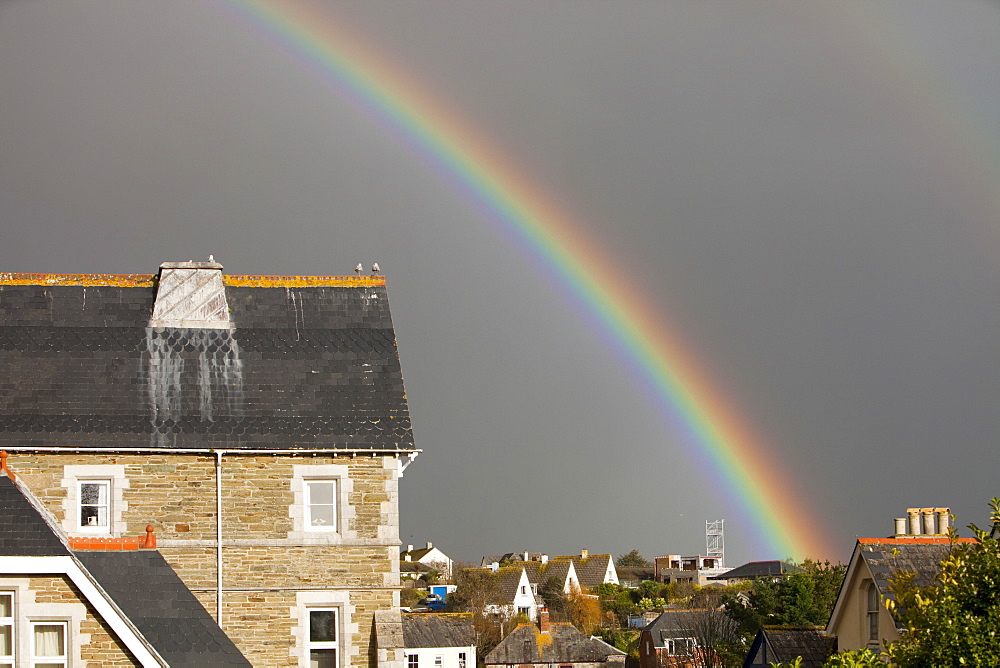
x,y
266,562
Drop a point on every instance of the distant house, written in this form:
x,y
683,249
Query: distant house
x,y
429,556
439,640
695,569
672,639
784,644
758,570
515,595
633,577
592,569
561,572
552,644
860,618
102,601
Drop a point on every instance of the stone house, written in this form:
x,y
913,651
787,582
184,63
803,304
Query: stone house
x,y
258,423
552,645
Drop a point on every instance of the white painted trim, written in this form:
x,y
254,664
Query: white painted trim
x,y
94,595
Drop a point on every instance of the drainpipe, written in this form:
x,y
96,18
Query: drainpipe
x,y
218,536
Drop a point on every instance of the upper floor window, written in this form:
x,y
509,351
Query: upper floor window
x,y
95,505
48,645
461,660
6,630
323,638
872,611
412,661
321,505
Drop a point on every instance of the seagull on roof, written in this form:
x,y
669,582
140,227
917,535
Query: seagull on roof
x,y
375,268
359,268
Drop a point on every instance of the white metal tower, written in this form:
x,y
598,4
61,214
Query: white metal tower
x,y
715,546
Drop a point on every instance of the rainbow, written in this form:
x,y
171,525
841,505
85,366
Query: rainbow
x,y
681,389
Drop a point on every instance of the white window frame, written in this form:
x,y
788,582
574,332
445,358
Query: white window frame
x,y
307,601
63,659
8,621
412,661
462,660
310,523
324,644
94,528
76,475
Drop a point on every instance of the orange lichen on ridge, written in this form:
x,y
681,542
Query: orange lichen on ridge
x,y
118,280
149,280
303,281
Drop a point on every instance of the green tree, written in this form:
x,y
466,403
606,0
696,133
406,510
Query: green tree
x,y
632,559
957,622
799,599
861,658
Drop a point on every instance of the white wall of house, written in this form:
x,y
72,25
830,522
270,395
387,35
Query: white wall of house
x,y
441,657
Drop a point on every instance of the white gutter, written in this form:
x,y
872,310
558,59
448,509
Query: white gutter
x,y
218,536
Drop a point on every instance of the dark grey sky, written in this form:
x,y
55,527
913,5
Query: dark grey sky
x,y
808,192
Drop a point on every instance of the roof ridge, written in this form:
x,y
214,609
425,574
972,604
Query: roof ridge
x,y
149,280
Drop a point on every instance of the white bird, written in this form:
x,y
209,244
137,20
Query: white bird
x,y
359,268
211,258
375,268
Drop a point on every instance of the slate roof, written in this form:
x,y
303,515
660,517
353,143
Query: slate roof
x,y
674,624
509,577
888,557
538,573
782,644
429,629
168,615
590,570
309,363
23,530
759,569
563,643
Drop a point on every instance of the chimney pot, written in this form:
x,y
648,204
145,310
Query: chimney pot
x,y
543,619
944,519
930,521
409,548
913,514
900,526
584,554
429,545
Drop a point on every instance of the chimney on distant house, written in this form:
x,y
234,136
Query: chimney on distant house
x,y
923,522
543,619
429,545
584,554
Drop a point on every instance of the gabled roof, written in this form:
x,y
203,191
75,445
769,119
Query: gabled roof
x,y
783,644
429,629
509,579
888,557
563,643
759,569
286,363
885,558
168,615
590,569
538,573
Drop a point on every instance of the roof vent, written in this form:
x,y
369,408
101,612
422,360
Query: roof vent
x,y
191,295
